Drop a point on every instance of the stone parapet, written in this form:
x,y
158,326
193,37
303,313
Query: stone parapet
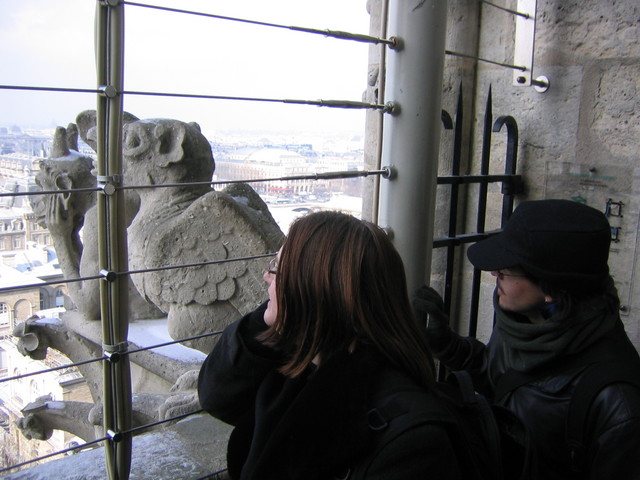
x,y
193,448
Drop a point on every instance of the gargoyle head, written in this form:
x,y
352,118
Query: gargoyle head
x,y
31,426
65,170
158,150
30,342
166,151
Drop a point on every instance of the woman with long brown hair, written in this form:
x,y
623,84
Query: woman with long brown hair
x,y
304,377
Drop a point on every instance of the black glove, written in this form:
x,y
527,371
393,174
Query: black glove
x,y
428,304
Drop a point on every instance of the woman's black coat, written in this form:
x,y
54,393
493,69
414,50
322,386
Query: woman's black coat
x,y
315,426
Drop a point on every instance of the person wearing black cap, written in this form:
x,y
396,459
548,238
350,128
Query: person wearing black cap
x,y
557,330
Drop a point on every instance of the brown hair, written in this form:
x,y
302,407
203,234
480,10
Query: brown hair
x,y
341,283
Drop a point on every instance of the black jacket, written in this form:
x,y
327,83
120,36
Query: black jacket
x,y
315,426
613,425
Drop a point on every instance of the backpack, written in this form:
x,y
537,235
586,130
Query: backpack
x,y
490,442
498,445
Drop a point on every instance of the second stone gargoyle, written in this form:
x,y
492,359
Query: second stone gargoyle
x,y
181,223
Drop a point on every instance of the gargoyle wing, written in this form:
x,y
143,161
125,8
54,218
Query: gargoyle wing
x,y
213,228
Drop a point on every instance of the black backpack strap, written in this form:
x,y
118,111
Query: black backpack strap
x,y
473,399
592,381
475,421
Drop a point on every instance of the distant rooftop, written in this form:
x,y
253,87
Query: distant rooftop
x,y
10,277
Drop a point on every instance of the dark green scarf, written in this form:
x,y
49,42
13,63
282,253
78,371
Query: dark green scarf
x,y
574,328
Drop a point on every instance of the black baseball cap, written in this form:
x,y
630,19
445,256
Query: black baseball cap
x,y
560,241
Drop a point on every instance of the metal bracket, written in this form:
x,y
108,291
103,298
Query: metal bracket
x,y
396,43
613,209
391,172
513,186
615,234
391,108
108,275
115,437
111,3
109,184
108,91
114,353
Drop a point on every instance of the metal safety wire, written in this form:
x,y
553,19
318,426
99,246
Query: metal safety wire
x,y
493,62
385,172
103,439
133,430
343,104
508,10
50,455
327,33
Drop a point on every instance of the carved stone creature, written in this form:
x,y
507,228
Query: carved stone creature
x,y
66,213
45,415
80,341
34,337
180,224
187,224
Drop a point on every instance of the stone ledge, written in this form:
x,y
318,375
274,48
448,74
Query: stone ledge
x,y
188,450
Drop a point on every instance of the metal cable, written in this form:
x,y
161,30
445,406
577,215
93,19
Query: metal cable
x,y
195,337
327,33
129,272
92,360
59,452
310,176
214,475
473,57
52,369
499,7
50,192
160,422
344,104
501,64
54,282
385,172
199,264
50,89
93,442
102,439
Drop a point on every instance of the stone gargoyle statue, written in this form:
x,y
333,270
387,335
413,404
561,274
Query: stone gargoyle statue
x,y
182,223
179,224
65,214
172,380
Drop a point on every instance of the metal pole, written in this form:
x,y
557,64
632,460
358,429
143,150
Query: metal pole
x,y
412,132
112,238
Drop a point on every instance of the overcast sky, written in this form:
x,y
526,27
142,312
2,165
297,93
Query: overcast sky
x,y
50,43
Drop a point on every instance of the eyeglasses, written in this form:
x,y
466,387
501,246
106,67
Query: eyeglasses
x,y
273,266
500,274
